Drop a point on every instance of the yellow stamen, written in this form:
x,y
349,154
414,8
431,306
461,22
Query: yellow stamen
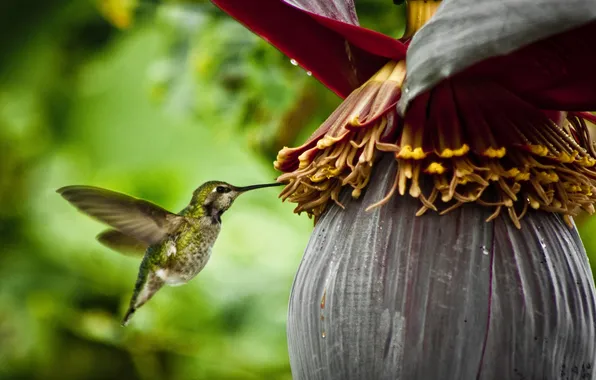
x,y
539,150
407,152
435,168
495,153
448,153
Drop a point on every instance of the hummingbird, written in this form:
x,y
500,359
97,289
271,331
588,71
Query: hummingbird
x,y
176,247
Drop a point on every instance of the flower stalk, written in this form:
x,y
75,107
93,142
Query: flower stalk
x,y
418,13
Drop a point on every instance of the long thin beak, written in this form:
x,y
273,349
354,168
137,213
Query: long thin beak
x,y
252,187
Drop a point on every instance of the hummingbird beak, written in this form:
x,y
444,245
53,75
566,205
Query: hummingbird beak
x,y
253,187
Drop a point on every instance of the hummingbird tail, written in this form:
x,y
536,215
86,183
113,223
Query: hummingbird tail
x,y
144,290
128,316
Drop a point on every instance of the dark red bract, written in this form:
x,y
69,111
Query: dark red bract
x,y
340,54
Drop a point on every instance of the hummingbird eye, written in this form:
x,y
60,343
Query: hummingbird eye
x,y
222,189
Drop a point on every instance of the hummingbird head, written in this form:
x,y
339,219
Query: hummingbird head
x,y
215,197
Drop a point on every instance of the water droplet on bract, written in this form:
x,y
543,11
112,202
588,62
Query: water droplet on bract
x,y
294,62
484,250
309,73
406,90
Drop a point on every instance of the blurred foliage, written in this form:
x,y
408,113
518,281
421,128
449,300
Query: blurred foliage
x,y
152,108
152,99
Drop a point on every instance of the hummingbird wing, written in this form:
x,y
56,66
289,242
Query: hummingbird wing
x,y
134,217
120,242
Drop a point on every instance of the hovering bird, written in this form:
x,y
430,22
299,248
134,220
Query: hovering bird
x,y
177,246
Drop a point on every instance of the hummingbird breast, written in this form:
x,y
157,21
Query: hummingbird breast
x,y
188,252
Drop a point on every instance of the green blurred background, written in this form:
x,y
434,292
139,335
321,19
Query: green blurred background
x,y
151,99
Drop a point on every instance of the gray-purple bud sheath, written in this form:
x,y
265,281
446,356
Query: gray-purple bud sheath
x,y
387,295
